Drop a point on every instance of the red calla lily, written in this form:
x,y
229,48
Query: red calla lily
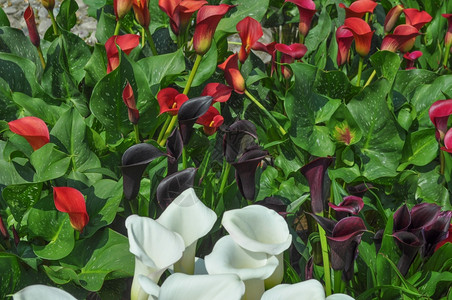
x,y
439,114
290,54
121,7
448,37
411,59
71,201
180,12
344,39
402,39
129,101
448,141
29,17
33,129
126,42
141,10
250,31
232,74
3,230
211,120
362,33
206,23
416,18
218,91
306,8
359,8
392,17
170,100
269,49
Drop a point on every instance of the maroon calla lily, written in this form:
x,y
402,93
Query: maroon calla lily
x,y
218,91
250,31
315,173
360,189
141,11
174,147
180,12
423,215
448,37
436,232
189,113
173,185
416,18
238,137
447,239
129,101
439,114
307,10
411,59
33,33
71,201
402,39
410,245
392,17
206,23
359,8
170,100
211,120
232,73
362,34
121,7
447,141
402,219
351,205
344,39
3,230
274,203
125,42
33,129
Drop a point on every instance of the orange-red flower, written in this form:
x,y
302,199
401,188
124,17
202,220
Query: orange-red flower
x,y
344,39
33,129
126,42
306,8
411,59
232,74
180,12
29,17
71,201
206,23
362,33
402,39
448,37
129,101
121,7
211,120
359,8
170,100
250,31
416,18
392,17
218,91
141,10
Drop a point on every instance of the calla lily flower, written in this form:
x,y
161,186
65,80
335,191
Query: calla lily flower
x,y
245,171
250,31
3,230
351,205
409,244
416,18
423,215
141,10
126,43
307,10
360,189
218,91
359,8
344,39
269,49
411,59
170,100
402,39
48,4
174,147
211,120
33,129
392,17
232,73
447,142
173,185
155,248
448,37
122,8
362,33
134,161
190,218
189,113
402,219
71,201
227,257
180,12
33,33
289,55
314,173
436,232
447,239
238,137
129,101
206,23
39,291
439,114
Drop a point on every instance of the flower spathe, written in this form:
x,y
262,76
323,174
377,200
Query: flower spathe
x,y
126,43
392,17
402,39
306,9
48,4
180,12
439,114
359,8
250,31
33,33
121,7
232,73
314,173
141,11
170,100
361,33
218,91
416,18
39,291
411,59
344,39
33,129
71,201
211,120
448,37
129,101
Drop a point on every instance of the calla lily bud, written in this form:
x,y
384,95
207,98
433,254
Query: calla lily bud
x,y
250,31
122,8
232,73
33,129
33,33
392,17
344,39
48,4
315,173
71,201
448,37
129,101
141,10
439,114
3,230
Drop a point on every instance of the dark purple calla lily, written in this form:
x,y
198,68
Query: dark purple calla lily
x,y
360,189
423,215
315,173
134,162
189,112
173,185
351,205
409,244
439,114
436,232
238,137
245,171
402,219
174,147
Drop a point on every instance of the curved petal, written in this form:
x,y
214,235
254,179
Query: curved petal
x,y
173,185
402,218
170,100
258,229
392,17
359,8
439,114
423,215
448,37
189,113
416,18
33,129
306,9
362,34
211,120
315,173
310,289
339,297
39,291
296,51
344,39
402,39
350,204
250,31
29,17
129,101
71,201
218,91
232,74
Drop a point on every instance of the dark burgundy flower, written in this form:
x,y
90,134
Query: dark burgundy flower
x,y
359,8
344,39
409,244
392,17
219,92
436,232
362,34
170,100
439,114
180,12
423,215
416,18
315,173
447,239
402,39
129,101
307,10
232,73
174,147
173,185
447,142
71,201
238,137
411,59
250,31
189,113
125,42
402,219
211,120
274,203
33,33
360,189
351,205
3,230
33,129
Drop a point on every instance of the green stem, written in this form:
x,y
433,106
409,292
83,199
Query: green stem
x,y
326,260
118,26
184,159
370,78
224,178
41,57
269,115
360,70
338,283
168,131
301,38
442,162
164,127
151,42
366,17
446,55
54,24
192,74
143,36
137,133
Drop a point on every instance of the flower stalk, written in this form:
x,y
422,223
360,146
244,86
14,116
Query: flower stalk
x,y
151,42
360,70
54,24
326,259
118,26
41,57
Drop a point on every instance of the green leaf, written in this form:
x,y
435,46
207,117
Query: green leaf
x,y
386,64
267,185
385,272
10,273
49,163
20,198
431,188
319,33
96,66
408,80
244,8
14,171
207,67
38,107
61,275
61,243
287,160
4,21
420,149
66,17
105,27
433,283
335,84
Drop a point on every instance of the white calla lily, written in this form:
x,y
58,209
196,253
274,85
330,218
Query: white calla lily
x,y
227,257
339,297
260,229
39,291
310,289
155,249
190,218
